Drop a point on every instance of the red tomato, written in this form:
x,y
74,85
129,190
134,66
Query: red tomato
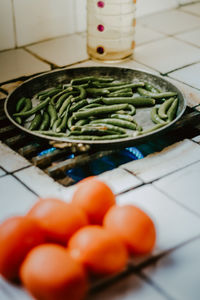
x,y
99,250
50,273
134,226
18,235
58,219
94,197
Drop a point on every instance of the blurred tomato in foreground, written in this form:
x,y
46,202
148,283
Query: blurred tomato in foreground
x,y
134,226
94,197
18,235
99,250
50,273
58,219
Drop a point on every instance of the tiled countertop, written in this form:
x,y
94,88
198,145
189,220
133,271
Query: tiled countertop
x,y
164,184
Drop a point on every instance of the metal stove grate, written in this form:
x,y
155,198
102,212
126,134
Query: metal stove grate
x,y
61,164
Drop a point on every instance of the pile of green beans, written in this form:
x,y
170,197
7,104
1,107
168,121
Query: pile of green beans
x,y
95,108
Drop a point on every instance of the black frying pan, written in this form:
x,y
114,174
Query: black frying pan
x,y
50,79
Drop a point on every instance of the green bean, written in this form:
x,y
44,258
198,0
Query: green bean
x,y
97,138
162,111
70,122
146,93
63,124
52,113
20,104
56,96
56,124
172,110
64,105
36,121
98,129
99,110
82,80
82,93
52,133
27,106
45,122
78,105
107,84
95,92
121,93
131,110
61,100
110,127
151,88
81,122
130,85
49,94
33,110
123,117
136,101
116,122
155,117
153,128
96,100
90,106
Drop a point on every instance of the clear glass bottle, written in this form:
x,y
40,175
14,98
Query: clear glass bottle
x,y
110,29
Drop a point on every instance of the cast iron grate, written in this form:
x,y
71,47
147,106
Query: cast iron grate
x,y
71,164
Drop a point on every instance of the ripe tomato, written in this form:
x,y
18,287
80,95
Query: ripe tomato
x,y
134,227
58,219
99,250
95,198
18,235
50,273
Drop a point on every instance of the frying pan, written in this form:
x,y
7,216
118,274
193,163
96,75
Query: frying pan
x,y
38,83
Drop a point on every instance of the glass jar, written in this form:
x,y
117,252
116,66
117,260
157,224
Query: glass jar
x,y
110,29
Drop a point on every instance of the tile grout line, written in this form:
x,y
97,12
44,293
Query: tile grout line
x,y
153,284
27,187
14,23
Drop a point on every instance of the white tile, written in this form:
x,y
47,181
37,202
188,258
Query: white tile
x,y
62,51
160,164
39,20
183,186
178,273
196,139
42,184
15,198
2,172
10,291
80,15
192,96
129,288
171,22
144,35
193,37
17,63
193,8
145,7
174,224
7,38
119,180
189,75
178,53
10,160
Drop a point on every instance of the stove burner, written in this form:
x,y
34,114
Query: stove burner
x,y
103,164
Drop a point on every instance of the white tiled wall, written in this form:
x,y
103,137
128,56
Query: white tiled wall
x,y
37,20
7,39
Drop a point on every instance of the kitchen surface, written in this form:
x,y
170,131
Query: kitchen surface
x,y
161,177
